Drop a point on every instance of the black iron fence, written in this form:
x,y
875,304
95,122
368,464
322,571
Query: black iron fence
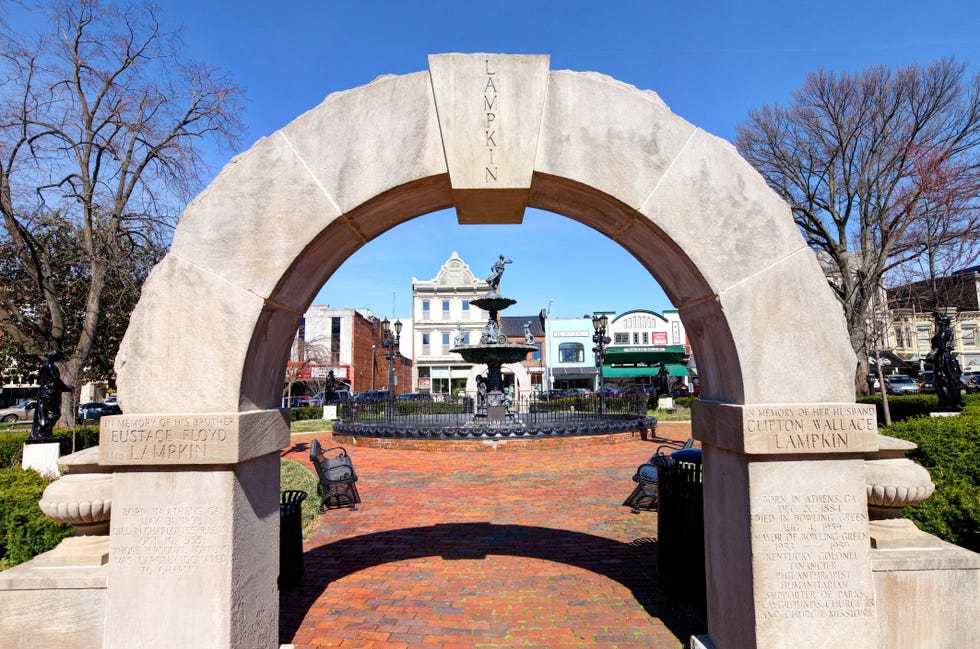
x,y
462,409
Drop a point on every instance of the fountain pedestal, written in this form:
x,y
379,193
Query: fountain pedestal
x,y
494,351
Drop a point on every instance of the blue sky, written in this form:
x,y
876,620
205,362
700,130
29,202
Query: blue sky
x,y
710,61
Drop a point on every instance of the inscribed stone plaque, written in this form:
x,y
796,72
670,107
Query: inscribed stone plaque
x,y
811,556
204,438
490,109
179,541
789,428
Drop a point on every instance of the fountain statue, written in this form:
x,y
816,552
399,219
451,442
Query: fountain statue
x,y
494,350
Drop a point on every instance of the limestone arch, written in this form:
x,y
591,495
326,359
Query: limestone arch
x,y
253,249
210,336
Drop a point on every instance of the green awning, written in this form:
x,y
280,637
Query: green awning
x,y
644,355
675,369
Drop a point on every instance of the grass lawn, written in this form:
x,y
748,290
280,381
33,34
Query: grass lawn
x,y
680,414
310,426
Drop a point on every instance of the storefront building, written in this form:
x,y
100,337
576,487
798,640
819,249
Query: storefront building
x,y
640,341
912,325
441,311
570,361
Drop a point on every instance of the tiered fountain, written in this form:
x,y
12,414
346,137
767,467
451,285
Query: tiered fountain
x,y
490,414
494,350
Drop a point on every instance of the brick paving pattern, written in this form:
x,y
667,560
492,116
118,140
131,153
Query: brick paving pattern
x,y
487,549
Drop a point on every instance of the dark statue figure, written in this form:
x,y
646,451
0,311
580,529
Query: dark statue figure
x,y
496,272
663,380
48,410
946,369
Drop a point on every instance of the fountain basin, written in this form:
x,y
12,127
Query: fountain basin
x,y
495,354
493,302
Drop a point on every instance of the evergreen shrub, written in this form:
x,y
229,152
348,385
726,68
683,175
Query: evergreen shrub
x,y
12,443
25,531
949,447
684,402
903,406
305,412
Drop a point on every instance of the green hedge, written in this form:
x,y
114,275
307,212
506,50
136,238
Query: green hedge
x,y
12,443
949,447
305,412
25,531
902,407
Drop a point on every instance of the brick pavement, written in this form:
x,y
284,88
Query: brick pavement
x,y
487,549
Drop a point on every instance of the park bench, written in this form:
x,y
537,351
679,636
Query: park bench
x,y
337,479
644,495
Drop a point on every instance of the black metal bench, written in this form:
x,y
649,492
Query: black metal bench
x,y
337,487
644,495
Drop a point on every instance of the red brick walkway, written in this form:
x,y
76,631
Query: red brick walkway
x,y
488,549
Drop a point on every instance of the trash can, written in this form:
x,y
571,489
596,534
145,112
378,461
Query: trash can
x,y
291,536
680,524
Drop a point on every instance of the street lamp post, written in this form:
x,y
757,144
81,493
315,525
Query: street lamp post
x,y
374,355
599,323
389,341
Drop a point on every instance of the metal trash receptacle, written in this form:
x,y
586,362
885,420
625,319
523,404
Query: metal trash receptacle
x,y
680,524
291,536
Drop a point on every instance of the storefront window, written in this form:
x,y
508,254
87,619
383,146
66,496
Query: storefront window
x,y
970,335
899,338
621,338
571,353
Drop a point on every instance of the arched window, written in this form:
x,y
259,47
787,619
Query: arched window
x,y
571,353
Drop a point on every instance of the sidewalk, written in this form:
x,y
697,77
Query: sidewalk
x,y
484,549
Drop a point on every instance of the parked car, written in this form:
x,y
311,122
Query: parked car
x,y
901,384
111,409
373,395
545,395
339,396
22,411
927,382
95,410
415,396
578,392
296,402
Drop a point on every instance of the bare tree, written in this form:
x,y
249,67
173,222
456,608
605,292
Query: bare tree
x,y
101,120
862,159
946,238
309,356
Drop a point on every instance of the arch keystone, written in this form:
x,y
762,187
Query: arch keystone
x,y
491,140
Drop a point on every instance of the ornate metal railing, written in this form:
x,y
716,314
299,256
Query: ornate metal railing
x,y
460,416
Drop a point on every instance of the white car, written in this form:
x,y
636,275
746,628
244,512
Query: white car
x,y
901,384
21,412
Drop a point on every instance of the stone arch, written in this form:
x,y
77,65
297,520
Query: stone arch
x,y
200,366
